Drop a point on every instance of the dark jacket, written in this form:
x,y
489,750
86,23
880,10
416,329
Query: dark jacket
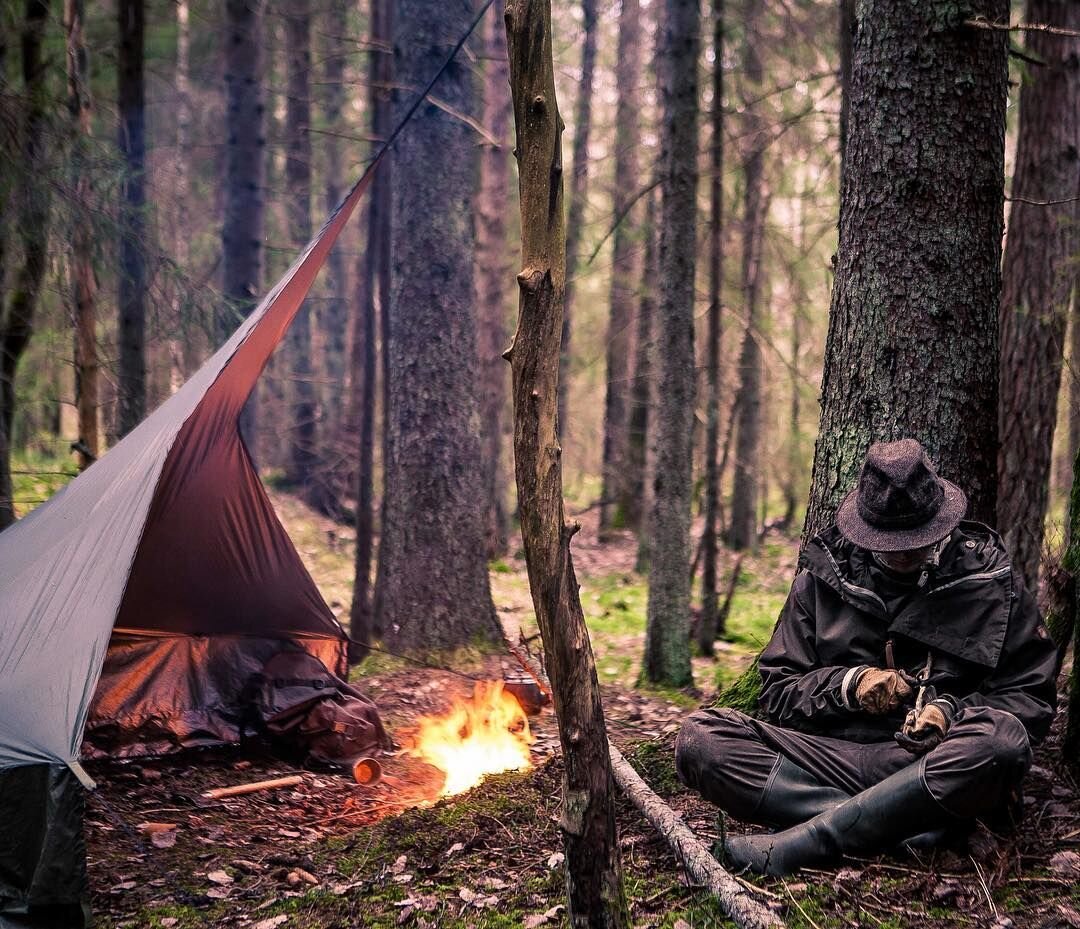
x,y
970,613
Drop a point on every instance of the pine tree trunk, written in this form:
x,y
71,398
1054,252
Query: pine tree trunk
x,y
708,628
245,167
846,39
640,457
434,579
1070,748
913,334
745,490
1074,378
131,384
32,211
363,359
83,279
333,445
667,638
579,182
593,869
492,273
615,495
184,361
1037,278
301,389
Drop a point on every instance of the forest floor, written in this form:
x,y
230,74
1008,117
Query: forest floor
x,y
329,853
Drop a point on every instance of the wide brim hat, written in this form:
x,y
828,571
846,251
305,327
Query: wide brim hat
x,y
900,502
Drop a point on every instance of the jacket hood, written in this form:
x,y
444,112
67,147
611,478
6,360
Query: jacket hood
x,y
965,607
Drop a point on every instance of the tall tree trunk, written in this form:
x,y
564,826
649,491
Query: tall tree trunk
x,y
667,637
1070,749
363,355
32,212
1037,278
845,39
83,279
913,329
640,448
333,320
579,182
131,382
434,579
616,503
745,491
593,869
301,391
245,168
792,476
1074,377
708,628
492,273
185,355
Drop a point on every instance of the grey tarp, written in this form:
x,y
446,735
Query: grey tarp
x,y
171,539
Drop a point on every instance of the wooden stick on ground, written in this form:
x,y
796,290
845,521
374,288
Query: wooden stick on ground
x,y
220,793
736,901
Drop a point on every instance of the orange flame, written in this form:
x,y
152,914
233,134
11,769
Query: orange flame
x,y
484,735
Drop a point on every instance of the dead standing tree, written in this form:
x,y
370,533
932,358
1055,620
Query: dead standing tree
x,y
593,868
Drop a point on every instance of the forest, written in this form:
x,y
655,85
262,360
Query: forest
x,y
498,367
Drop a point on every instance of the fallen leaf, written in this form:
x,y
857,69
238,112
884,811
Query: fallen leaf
x,y
456,847
217,893
402,878
681,924
467,895
408,901
272,923
307,876
249,867
555,860
1066,863
399,865
531,922
167,922
163,839
124,885
152,828
289,833
494,883
555,911
219,877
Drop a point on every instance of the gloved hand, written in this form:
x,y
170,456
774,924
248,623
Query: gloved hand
x,y
881,690
924,730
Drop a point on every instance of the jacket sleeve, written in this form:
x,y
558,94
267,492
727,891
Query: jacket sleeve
x,y
1023,683
795,688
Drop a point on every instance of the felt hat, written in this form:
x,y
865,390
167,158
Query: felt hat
x,y
900,502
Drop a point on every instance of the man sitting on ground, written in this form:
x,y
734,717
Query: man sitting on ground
x,y
906,680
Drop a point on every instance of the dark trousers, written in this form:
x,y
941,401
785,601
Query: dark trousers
x,y
731,759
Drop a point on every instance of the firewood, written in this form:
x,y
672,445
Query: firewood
x,y
736,901
220,793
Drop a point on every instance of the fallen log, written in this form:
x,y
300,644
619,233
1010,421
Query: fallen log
x,y
220,793
736,901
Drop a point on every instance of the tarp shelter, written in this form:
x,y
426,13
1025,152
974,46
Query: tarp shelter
x,y
137,601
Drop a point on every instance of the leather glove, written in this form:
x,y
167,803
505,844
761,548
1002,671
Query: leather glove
x,y
881,690
925,730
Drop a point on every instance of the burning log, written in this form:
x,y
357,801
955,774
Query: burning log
x,y
221,793
736,900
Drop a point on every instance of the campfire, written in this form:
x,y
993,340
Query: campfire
x,y
485,734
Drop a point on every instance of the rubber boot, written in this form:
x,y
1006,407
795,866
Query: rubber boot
x,y
876,819
793,796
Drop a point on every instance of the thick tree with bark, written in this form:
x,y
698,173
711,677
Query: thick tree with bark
x,y
579,188
83,278
433,578
492,271
1037,277
913,329
1071,746
667,638
748,471
245,170
131,94
593,869
708,628
301,463
615,496
32,211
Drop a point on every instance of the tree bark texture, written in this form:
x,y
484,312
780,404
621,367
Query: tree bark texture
x,y
846,39
1037,278
667,637
625,270
333,465
32,210
371,276
83,279
735,899
131,381
579,188
301,463
708,627
183,344
434,578
748,470
912,347
593,869
1074,374
245,173
640,457
1071,745
492,273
